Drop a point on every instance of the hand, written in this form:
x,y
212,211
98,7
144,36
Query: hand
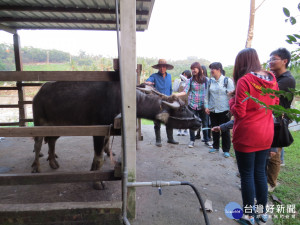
x,y
216,129
207,111
149,83
231,94
272,154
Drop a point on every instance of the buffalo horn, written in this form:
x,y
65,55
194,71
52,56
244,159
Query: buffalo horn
x,y
174,105
146,90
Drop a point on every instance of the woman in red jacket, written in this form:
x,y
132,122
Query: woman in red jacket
x,y
253,131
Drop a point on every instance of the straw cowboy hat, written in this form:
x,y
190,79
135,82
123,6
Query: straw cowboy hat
x,y
163,62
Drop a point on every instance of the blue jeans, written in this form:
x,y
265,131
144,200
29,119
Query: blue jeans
x,y
203,116
252,168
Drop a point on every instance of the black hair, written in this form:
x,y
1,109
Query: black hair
x,y
217,66
187,73
199,78
283,53
204,70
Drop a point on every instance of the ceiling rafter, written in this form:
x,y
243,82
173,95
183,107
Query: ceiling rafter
x,y
65,9
43,20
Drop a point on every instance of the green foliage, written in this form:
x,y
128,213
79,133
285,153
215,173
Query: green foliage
x,y
147,122
293,38
289,190
7,58
293,114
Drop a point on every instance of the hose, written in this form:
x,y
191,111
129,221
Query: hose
x,y
160,184
200,200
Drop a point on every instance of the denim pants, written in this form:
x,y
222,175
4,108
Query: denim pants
x,y
252,168
202,115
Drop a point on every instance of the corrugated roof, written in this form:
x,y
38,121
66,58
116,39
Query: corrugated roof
x,y
68,14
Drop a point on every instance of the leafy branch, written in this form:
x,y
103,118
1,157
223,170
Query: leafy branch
x,y
293,38
293,114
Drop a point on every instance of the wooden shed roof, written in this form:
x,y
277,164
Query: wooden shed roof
x,y
67,14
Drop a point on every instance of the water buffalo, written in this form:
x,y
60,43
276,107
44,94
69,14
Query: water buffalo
x,y
98,103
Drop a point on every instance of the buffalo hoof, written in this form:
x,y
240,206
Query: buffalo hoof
x,y
53,164
35,168
99,185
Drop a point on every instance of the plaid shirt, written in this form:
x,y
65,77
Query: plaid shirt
x,y
197,94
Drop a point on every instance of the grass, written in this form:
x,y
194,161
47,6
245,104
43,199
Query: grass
x,y
289,190
47,67
147,122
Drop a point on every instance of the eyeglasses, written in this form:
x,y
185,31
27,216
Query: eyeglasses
x,y
273,59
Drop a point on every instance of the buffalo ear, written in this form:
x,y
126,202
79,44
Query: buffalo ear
x,y
163,117
174,105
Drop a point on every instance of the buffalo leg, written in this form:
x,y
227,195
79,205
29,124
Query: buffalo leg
x,y
51,152
38,141
98,159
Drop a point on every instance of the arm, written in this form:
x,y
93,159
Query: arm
x,y
185,90
180,94
206,99
150,80
223,127
230,87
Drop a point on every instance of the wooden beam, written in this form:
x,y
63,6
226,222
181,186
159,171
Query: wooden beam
x,y
72,21
8,29
9,124
44,131
65,9
8,88
59,76
10,106
53,178
49,207
25,102
17,51
26,120
32,84
60,27
19,67
128,80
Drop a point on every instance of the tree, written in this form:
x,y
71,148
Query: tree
x,y
293,114
251,22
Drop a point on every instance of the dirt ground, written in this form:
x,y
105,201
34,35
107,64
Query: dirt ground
x,y
213,175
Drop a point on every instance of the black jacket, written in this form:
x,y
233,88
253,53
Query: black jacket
x,y
286,81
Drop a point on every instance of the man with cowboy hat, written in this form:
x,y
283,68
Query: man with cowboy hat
x,y
162,81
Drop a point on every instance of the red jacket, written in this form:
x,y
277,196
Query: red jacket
x,y
253,128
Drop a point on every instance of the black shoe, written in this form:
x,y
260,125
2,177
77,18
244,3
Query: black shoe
x,y
173,142
197,137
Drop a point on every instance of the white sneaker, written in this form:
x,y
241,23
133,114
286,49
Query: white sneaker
x,y
191,144
185,133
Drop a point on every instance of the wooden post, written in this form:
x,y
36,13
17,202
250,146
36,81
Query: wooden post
x,y
128,72
19,67
139,122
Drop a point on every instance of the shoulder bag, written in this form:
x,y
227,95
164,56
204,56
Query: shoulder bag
x,y
282,136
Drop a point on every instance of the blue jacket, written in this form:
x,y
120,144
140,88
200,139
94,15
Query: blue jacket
x,y
163,85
